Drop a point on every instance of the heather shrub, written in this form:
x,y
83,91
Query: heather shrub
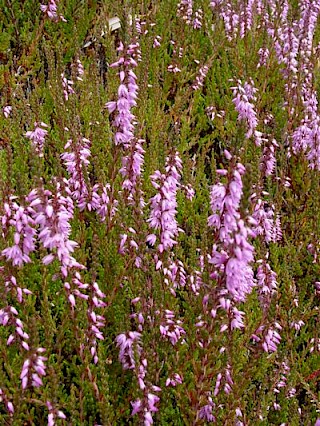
x,y
160,213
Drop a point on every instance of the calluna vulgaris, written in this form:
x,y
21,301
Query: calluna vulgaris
x,y
160,212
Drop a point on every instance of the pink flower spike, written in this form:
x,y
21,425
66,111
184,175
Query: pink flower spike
x,y
7,111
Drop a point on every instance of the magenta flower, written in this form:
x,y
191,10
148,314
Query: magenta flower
x,y
200,77
244,96
174,381
272,339
124,120
96,321
51,11
306,138
8,404
76,161
148,406
37,137
266,283
19,218
164,204
33,369
206,412
234,254
7,110
106,205
157,42
230,16
175,274
9,317
269,337
79,70
67,86
53,213
131,169
185,10
54,414
129,345
268,161
264,54
12,286
136,407
171,328
266,224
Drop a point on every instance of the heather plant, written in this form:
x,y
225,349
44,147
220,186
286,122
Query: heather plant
x,y
160,212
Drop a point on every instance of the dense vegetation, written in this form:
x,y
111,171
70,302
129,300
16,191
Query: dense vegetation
x,y
160,210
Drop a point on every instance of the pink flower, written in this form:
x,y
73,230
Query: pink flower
x,y
7,111
33,369
128,344
76,160
19,218
243,101
185,10
200,77
234,254
67,86
171,328
124,120
37,137
51,11
54,414
164,204
206,412
53,213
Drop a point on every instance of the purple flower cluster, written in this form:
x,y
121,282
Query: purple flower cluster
x,y
164,204
7,111
267,284
51,11
12,287
129,345
79,69
244,96
264,54
37,137
171,328
124,120
9,317
76,162
18,218
234,255
52,213
175,274
268,337
174,381
67,86
96,321
33,369
146,407
131,169
230,17
268,161
206,412
8,404
130,352
267,224
185,10
54,414
95,198
306,137
200,77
